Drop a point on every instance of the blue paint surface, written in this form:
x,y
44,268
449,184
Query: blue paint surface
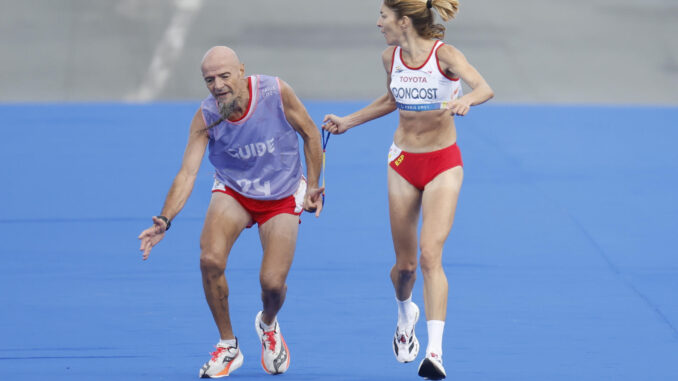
x,y
562,262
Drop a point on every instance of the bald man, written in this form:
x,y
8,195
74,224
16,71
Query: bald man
x,y
250,124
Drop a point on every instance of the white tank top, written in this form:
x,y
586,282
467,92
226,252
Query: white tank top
x,y
422,88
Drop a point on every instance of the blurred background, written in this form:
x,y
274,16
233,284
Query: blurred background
x,y
547,51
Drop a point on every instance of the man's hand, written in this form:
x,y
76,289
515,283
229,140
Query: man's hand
x,y
313,201
151,236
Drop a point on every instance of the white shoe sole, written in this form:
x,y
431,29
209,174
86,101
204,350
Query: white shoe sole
x,y
237,363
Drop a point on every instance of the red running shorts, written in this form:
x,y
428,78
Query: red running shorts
x,y
420,168
263,210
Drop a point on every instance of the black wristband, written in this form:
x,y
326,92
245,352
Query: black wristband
x,y
166,220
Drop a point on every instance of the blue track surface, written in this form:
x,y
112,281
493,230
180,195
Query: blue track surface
x,y
562,262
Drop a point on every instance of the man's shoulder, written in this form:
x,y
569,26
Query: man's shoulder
x,y
264,80
269,85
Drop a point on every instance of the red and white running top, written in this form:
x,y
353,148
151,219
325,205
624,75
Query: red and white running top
x,y
422,88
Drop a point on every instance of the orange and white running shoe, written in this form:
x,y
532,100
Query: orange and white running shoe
x,y
275,357
224,361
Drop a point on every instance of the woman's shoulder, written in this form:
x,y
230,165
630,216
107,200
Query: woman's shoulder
x,y
447,52
388,53
387,57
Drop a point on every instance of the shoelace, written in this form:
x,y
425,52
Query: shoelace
x,y
403,335
216,353
270,337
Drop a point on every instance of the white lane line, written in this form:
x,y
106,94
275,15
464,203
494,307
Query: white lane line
x,y
167,51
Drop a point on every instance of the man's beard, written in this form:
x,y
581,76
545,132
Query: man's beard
x,y
227,109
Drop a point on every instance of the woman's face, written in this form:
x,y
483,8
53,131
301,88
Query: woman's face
x,y
388,25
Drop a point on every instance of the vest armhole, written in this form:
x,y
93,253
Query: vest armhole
x,y
441,69
280,96
204,120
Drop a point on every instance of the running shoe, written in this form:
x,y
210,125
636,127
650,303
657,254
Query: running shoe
x,y
275,357
431,367
405,343
224,361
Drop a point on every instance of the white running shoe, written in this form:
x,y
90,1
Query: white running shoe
x,y
275,357
224,361
405,343
431,367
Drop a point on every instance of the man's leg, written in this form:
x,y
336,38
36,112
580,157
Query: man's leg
x,y
278,239
224,222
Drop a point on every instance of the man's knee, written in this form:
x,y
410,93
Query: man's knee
x,y
272,286
212,262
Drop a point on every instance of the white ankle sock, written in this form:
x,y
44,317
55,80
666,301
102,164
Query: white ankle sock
x,y
405,311
267,327
227,343
435,336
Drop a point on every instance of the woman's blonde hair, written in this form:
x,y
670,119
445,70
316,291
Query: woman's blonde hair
x,y
422,16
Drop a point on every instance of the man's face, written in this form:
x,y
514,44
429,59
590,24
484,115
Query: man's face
x,y
224,81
